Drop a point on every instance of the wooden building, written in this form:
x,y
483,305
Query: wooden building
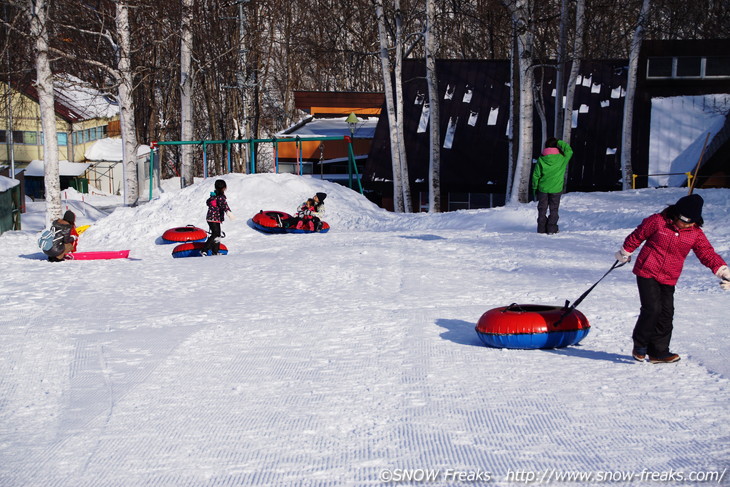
x,y
327,114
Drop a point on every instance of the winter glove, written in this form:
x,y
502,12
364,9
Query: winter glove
x,y
230,215
724,274
623,256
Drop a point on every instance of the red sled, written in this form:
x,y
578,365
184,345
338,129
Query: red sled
x,y
268,222
100,255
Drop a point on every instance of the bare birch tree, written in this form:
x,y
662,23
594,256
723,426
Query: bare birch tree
x,y
113,60
628,118
398,204
186,92
126,106
434,162
521,11
574,71
38,12
405,179
560,68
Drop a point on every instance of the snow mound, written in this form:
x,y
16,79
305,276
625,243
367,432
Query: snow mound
x,y
347,210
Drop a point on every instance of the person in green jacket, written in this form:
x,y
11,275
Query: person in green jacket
x,y
547,183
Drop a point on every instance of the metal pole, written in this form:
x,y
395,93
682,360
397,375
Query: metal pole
x,y
9,97
152,167
276,155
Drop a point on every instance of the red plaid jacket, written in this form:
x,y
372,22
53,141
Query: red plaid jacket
x,y
666,247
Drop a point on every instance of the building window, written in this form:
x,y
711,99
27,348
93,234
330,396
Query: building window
x,y
30,138
3,136
17,137
688,67
660,67
470,201
62,138
717,66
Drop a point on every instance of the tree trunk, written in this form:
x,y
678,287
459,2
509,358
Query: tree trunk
x,y
434,166
574,71
512,122
627,126
186,93
38,12
126,108
560,69
539,97
520,10
390,108
405,180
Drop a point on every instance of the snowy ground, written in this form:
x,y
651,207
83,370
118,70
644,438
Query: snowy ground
x,y
350,358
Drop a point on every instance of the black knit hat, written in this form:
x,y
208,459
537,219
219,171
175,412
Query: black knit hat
x,y
321,197
69,217
690,208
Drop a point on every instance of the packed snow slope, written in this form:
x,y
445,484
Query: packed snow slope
x,y
350,358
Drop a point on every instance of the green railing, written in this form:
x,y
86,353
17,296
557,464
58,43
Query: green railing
x,y
351,166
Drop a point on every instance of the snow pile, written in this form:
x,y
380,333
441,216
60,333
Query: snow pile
x,y
111,149
347,210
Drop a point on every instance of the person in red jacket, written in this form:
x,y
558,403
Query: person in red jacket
x,y
668,237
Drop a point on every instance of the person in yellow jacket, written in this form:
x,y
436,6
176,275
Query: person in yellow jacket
x,y
547,183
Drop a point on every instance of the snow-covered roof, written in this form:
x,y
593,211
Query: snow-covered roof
x,y
76,100
110,149
7,183
65,168
331,127
86,101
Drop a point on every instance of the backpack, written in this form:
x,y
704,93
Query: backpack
x,y
49,238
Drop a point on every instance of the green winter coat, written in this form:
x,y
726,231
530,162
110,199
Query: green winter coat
x,y
549,173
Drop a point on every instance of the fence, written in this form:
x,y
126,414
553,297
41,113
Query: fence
x,y
252,143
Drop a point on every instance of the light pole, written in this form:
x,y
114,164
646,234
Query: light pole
x,y
352,123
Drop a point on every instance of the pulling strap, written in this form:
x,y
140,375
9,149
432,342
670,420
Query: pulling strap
x,y
570,309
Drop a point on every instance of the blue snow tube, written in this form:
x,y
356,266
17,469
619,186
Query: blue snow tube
x,y
532,326
193,249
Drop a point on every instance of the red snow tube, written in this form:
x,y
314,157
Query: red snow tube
x,y
529,326
192,249
189,233
266,222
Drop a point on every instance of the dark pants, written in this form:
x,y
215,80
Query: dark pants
x,y
653,329
545,201
214,241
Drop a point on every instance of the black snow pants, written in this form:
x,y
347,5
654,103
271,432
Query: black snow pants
x,y
653,329
214,240
545,201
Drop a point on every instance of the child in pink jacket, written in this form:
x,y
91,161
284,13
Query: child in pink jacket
x,y
668,237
